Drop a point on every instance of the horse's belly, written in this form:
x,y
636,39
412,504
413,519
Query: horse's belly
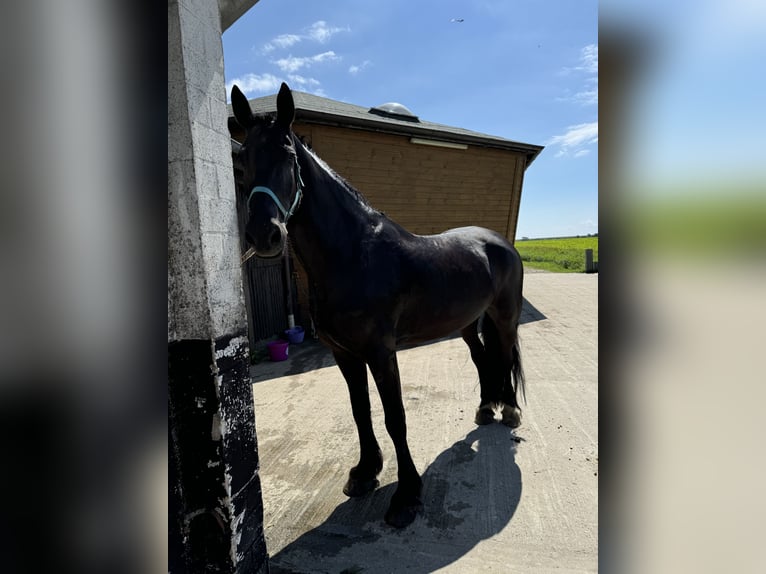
x,y
433,318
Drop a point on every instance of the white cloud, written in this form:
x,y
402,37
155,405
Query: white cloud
x,y
355,69
320,32
255,84
589,59
311,85
301,81
588,65
306,84
575,139
283,41
587,97
293,64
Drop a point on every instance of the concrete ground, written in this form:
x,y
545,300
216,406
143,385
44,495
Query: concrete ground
x,y
496,500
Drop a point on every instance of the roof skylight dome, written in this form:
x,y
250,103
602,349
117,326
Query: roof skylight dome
x,y
396,111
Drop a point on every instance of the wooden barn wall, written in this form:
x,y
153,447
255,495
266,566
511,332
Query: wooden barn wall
x,y
424,188
518,184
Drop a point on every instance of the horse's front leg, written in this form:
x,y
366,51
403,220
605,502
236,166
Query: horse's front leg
x,y
363,477
405,502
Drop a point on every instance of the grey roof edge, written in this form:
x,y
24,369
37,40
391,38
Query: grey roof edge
x,y
415,130
313,109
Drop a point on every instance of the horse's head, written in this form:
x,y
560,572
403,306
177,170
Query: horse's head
x,y
271,173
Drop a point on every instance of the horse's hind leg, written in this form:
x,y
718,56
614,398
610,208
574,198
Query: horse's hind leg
x,y
513,382
490,392
507,356
363,477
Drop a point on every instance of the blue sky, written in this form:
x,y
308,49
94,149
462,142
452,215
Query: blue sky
x,y
520,69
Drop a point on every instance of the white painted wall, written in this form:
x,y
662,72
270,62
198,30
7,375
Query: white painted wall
x,y
205,297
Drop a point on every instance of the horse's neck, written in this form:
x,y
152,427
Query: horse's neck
x,y
330,221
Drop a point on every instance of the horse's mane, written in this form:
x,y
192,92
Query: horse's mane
x,y
341,181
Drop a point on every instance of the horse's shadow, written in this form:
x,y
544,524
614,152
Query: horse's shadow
x,y
470,493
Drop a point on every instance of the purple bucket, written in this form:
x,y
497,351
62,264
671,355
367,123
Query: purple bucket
x,y
278,350
295,335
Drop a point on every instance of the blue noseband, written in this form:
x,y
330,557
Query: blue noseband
x,y
286,213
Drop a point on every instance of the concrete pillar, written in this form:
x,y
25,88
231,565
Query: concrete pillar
x,y
215,508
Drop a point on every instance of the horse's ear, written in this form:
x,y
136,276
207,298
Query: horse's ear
x,y
285,106
241,108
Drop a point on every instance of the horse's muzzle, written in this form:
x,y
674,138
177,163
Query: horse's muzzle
x,y
268,240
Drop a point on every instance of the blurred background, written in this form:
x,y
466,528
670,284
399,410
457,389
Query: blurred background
x,y
682,201
82,211
683,261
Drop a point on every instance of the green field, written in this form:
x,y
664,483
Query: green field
x,y
563,255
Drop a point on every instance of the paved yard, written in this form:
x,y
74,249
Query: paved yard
x,y
495,500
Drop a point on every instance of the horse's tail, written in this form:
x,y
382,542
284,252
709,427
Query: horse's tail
x,y
518,372
505,359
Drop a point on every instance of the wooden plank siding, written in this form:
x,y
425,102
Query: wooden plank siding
x,y
426,189
518,184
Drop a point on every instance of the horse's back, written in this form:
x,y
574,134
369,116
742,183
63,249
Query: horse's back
x,y
503,261
472,235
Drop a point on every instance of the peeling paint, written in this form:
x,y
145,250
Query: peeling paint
x,y
236,536
224,425
227,484
236,524
215,432
231,349
222,418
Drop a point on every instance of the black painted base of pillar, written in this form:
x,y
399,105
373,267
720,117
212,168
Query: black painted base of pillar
x,y
215,507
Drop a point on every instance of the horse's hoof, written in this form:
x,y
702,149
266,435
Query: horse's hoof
x,y
356,487
485,415
511,416
401,516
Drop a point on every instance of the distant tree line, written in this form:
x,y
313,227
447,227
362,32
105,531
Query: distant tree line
x,y
525,238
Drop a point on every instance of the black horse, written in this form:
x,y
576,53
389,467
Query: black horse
x,y
379,286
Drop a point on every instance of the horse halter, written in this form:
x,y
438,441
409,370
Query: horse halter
x,y
286,213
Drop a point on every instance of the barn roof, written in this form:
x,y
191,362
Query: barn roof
x,y
318,110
